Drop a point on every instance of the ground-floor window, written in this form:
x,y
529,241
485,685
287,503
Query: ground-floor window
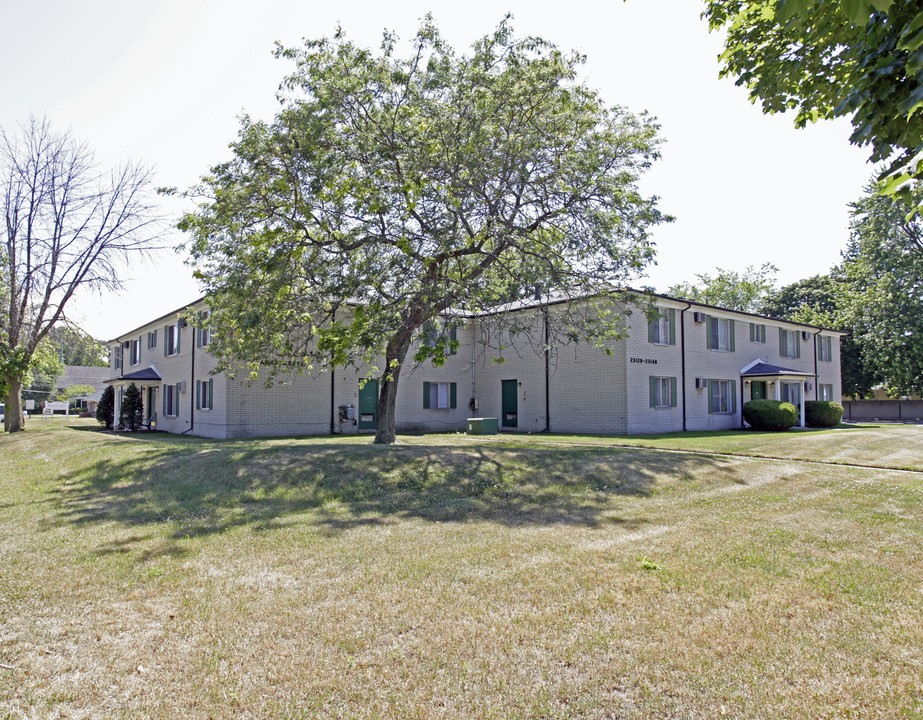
x,y
722,396
439,396
170,401
204,394
663,392
791,393
825,392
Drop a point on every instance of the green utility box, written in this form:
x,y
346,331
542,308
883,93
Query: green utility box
x,y
482,426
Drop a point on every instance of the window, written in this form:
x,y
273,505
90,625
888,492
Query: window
x,y
439,396
136,351
171,340
152,340
204,392
432,336
170,401
663,392
757,333
720,334
117,356
791,393
722,396
789,346
824,349
825,392
661,330
203,334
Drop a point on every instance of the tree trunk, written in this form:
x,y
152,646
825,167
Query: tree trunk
x,y
13,420
394,361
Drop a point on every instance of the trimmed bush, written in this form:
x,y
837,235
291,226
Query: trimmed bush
x,y
822,413
770,415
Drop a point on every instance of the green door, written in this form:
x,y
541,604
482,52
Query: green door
x,y
368,405
510,404
758,390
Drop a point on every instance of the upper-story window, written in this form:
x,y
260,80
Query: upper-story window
x,y
757,333
825,349
136,351
661,330
720,334
152,340
789,343
171,339
203,334
117,356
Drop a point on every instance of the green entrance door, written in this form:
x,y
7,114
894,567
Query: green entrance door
x,y
510,404
758,390
368,405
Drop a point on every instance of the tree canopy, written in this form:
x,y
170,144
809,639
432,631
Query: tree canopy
x,y
390,191
861,59
746,291
66,228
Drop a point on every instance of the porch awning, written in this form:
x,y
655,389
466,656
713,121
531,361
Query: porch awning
x,y
761,369
149,374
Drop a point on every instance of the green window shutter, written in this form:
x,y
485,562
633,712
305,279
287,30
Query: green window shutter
x,y
426,396
178,336
166,334
733,396
453,396
652,382
731,334
711,396
453,338
797,344
650,331
198,337
673,326
781,342
211,393
673,392
198,394
163,391
753,332
712,324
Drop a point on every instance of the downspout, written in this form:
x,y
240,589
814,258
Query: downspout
x,y
682,355
547,374
333,378
474,387
816,379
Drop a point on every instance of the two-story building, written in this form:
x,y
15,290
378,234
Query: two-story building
x,y
688,366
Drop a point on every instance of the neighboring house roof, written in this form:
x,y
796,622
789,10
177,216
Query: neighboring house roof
x,y
761,369
149,373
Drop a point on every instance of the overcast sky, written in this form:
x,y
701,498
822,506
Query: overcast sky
x,y
164,83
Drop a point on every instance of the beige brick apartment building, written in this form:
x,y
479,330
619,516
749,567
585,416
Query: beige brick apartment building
x,y
690,368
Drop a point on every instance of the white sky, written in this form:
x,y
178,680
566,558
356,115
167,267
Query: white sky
x,y
164,82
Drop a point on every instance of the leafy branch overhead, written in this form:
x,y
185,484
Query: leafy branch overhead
x,y
861,59
391,190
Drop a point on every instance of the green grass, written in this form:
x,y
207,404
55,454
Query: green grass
x,y
457,577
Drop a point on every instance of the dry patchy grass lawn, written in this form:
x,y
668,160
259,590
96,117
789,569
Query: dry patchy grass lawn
x,y
157,576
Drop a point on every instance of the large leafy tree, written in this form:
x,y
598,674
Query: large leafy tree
x,y
391,190
77,347
745,291
66,227
861,59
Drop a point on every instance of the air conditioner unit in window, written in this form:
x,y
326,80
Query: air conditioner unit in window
x,y
698,316
808,387
701,383
181,386
182,322
805,334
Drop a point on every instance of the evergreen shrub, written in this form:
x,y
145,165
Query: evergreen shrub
x,y
770,415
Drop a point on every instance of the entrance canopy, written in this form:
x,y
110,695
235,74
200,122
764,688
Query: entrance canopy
x,y
148,376
774,375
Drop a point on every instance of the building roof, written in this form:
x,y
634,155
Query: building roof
x,y
761,369
149,373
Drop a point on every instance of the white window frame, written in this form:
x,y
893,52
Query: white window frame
x,y
724,394
117,356
825,392
171,339
825,349
170,398
439,395
790,349
759,333
135,357
203,333
152,340
788,388
204,390
661,328
663,392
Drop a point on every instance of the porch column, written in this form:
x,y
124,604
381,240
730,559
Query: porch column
x,y
116,405
804,400
778,384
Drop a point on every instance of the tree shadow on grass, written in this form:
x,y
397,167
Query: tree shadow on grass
x,y
203,487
